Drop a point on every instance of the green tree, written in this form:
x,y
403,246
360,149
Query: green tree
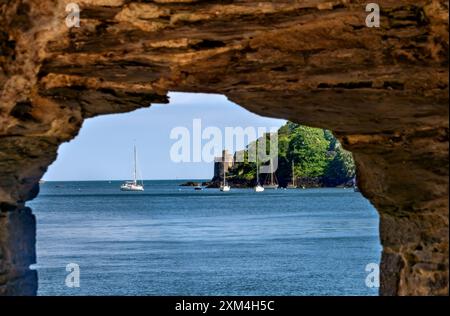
x,y
315,152
341,168
308,149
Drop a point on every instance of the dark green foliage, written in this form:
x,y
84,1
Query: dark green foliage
x,y
340,169
316,154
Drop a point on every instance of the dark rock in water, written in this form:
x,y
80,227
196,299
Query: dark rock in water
x,y
213,185
310,182
190,184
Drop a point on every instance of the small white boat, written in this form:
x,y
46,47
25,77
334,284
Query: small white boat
x,y
224,187
292,185
273,185
258,187
133,185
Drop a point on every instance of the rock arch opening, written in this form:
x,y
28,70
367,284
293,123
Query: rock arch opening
x,y
177,241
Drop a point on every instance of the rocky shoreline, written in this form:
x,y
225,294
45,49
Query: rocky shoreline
x,y
304,183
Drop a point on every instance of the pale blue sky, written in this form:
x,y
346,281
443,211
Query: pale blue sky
x,y
103,149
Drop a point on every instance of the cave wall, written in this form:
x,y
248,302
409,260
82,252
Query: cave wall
x,y
383,91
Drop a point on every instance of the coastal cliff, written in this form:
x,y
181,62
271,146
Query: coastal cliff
x,y
308,157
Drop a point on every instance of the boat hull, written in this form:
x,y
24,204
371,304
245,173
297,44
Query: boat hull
x,y
258,188
225,188
131,188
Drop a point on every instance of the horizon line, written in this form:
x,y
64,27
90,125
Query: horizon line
x,y
186,179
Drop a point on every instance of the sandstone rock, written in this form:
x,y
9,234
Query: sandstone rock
x,y
17,253
383,91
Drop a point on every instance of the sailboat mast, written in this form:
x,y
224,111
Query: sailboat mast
x,y
257,171
135,171
224,175
271,173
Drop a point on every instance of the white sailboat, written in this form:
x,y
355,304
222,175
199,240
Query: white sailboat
x,y
258,187
273,183
224,187
133,185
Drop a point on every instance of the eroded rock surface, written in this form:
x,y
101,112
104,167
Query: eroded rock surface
x,y
383,91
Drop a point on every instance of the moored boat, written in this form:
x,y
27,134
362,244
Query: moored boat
x,y
272,184
224,187
292,185
258,187
133,185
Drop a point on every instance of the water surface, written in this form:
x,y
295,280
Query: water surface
x,y
172,240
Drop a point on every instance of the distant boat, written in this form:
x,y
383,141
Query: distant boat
x,y
355,186
133,185
224,187
292,185
198,188
273,179
41,181
258,187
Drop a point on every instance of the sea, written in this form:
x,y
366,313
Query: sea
x,y
93,239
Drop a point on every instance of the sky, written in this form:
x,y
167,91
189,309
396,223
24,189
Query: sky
x,y
103,150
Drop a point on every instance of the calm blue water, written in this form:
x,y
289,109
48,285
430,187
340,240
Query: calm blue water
x,y
172,240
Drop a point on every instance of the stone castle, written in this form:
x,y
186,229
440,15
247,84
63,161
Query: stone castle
x,y
225,161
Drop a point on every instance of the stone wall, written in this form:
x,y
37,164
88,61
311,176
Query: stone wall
x,y
382,91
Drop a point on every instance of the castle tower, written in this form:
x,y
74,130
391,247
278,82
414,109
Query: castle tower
x,y
225,161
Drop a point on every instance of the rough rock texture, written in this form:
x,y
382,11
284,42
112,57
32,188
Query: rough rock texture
x,y
17,239
383,91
